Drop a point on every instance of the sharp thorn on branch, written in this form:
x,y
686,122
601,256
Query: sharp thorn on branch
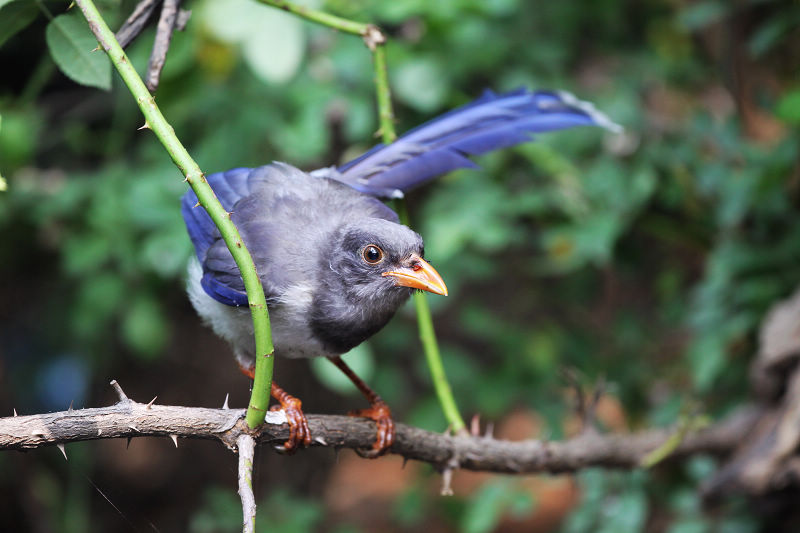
x,y
15,412
405,462
475,425
225,403
183,19
70,406
151,402
144,126
174,439
321,441
128,444
122,396
133,428
63,450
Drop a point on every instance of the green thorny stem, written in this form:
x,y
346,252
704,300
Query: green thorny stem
x,y
376,41
155,121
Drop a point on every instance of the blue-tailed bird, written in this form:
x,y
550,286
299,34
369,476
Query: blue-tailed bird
x,y
334,261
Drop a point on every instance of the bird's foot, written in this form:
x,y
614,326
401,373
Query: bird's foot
x,y
380,413
299,434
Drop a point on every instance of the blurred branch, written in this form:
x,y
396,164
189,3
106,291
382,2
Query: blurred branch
x,y
171,18
128,418
136,22
164,30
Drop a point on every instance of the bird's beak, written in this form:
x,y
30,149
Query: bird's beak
x,y
421,275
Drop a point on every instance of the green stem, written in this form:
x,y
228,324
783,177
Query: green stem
x,y
155,121
320,17
431,348
384,96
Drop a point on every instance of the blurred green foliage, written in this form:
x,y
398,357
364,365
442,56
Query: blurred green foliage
x,y
648,258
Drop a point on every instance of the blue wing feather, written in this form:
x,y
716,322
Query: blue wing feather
x,y
229,186
444,144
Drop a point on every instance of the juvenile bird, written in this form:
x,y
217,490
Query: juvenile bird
x,y
334,261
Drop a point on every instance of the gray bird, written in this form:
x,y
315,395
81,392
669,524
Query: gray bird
x,y
334,261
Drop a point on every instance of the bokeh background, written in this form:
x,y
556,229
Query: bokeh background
x,y
646,259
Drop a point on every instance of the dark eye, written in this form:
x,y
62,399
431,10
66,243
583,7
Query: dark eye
x,y
372,254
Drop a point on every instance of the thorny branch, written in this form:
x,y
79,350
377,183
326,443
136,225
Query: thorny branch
x,y
128,418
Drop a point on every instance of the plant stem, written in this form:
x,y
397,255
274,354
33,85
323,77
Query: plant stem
x,y
320,17
155,121
431,347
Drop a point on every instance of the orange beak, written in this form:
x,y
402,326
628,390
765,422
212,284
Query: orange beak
x,y
421,275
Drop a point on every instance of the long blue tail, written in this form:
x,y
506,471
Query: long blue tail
x,y
491,122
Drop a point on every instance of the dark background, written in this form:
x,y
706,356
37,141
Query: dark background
x,y
647,258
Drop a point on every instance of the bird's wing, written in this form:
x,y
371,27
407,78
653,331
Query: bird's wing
x,y
221,278
279,212
491,122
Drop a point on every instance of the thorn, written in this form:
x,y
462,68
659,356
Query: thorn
x,y
405,462
63,450
99,432
128,444
15,412
320,440
150,403
120,392
174,440
133,427
225,403
96,48
70,406
475,425
197,204
144,126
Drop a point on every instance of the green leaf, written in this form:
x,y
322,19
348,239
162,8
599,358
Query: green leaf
x,y
71,44
15,17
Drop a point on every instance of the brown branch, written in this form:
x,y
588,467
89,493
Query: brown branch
x,y
136,22
132,419
164,29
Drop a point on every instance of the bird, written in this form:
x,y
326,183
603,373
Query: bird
x,y
334,260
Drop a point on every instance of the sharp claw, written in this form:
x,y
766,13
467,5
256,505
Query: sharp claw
x,y
299,434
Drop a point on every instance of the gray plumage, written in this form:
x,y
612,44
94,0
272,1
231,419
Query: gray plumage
x,y
307,236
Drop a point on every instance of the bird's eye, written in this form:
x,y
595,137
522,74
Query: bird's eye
x,y
372,254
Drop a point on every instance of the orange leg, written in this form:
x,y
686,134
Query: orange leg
x,y
378,411
298,424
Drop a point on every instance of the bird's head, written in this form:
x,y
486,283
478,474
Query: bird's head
x,y
379,260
